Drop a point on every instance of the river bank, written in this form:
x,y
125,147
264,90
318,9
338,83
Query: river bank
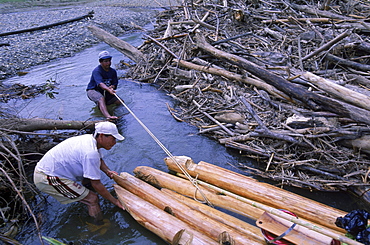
x,y
25,50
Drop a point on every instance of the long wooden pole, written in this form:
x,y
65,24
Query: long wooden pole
x,y
158,221
184,187
258,191
220,216
89,15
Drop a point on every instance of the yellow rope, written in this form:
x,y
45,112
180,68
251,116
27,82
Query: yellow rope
x,y
183,170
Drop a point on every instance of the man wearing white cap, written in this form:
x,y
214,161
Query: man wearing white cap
x,y
62,169
102,85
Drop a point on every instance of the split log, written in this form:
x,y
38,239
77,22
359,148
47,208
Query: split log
x,y
199,221
158,221
33,124
312,100
89,15
260,192
125,48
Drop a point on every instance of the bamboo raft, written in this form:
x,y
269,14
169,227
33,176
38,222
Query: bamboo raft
x,y
173,207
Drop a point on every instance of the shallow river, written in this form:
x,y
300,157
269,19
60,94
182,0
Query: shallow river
x,y
67,223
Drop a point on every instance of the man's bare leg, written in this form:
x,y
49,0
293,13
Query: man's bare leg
x,y
92,202
104,110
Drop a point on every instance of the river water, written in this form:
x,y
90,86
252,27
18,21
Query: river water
x,y
67,223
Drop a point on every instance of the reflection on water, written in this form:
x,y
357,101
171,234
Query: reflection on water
x,y
68,222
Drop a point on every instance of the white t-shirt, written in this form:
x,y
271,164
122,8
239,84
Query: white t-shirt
x,y
74,158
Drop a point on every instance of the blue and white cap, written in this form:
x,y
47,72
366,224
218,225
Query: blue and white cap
x,y
104,55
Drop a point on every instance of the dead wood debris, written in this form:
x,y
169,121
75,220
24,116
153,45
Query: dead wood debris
x,y
19,153
246,73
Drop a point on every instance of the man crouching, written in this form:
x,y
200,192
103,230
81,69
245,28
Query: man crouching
x,y
62,169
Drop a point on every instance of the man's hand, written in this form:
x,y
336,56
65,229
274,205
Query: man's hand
x,y
111,90
110,173
119,204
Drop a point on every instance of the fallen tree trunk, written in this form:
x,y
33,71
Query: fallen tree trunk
x,y
340,61
125,48
312,100
89,15
33,124
339,91
233,76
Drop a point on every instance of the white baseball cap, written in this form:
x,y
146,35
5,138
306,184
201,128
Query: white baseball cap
x,y
104,55
107,128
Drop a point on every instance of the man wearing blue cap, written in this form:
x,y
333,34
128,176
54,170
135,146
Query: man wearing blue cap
x,y
102,85
63,169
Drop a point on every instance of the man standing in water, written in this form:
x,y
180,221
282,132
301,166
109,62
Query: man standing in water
x,y
62,169
102,85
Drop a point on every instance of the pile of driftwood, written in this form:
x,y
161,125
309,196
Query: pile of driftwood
x,y
286,83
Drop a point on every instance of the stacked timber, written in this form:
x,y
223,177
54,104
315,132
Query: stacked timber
x,y
176,209
160,203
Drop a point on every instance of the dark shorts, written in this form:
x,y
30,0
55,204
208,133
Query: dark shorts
x,y
95,96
